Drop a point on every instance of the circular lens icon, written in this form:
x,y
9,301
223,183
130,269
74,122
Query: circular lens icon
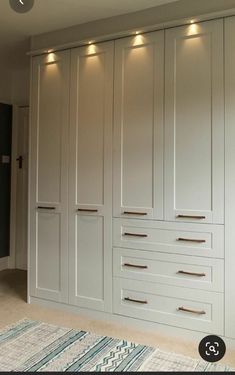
x,y
21,6
212,348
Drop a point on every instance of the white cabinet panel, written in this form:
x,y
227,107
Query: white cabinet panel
x,y
230,177
171,269
90,259
138,126
198,310
177,238
49,177
194,123
48,251
90,181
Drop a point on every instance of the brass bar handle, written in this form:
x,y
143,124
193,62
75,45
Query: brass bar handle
x,y
192,273
135,300
135,266
46,208
87,210
191,217
190,240
191,311
135,235
135,213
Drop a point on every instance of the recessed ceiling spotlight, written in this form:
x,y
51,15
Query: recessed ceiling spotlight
x,y
21,6
192,21
137,32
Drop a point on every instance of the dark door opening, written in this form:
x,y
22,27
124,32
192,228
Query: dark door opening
x,y
5,177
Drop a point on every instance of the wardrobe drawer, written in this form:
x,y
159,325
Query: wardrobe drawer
x,y
171,269
197,310
180,238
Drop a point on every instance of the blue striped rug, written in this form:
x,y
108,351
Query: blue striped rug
x,y
31,346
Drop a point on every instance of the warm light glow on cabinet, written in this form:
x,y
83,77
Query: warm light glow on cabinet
x,y
138,39
193,29
91,48
51,57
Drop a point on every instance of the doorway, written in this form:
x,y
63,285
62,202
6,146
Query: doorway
x,y
21,189
5,177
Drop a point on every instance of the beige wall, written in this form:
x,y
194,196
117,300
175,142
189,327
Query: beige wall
x,y
5,84
168,13
14,74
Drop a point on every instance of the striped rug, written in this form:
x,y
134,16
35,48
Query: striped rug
x,y
31,346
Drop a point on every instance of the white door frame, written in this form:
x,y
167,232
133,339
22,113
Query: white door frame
x,y
15,120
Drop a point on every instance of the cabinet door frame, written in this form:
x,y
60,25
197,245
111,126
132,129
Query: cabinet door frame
x,y
104,210
216,214
229,177
156,211
61,206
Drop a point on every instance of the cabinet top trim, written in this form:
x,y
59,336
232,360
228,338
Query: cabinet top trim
x,y
131,32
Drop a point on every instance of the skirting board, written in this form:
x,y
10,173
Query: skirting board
x,y
167,330
4,263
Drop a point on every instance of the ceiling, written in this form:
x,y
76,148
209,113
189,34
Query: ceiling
x,y
49,15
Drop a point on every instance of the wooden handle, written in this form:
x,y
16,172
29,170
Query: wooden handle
x,y
46,208
135,266
135,300
86,210
191,217
135,213
191,311
192,273
135,235
190,240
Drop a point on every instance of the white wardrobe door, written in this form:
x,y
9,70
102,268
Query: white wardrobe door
x,y
194,123
229,177
49,177
138,126
90,182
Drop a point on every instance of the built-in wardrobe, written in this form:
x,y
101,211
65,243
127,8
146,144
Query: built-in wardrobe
x,y
128,177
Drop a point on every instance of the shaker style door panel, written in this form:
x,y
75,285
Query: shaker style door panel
x,y
49,177
194,123
138,126
229,177
90,181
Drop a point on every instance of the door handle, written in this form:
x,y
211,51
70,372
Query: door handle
x,y
86,210
135,213
191,217
135,235
135,300
20,160
191,240
191,311
46,208
135,266
192,273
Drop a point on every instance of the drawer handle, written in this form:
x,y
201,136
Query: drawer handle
x,y
134,266
190,240
135,213
135,300
86,210
46,208
192,311
135,235
192,273
191,217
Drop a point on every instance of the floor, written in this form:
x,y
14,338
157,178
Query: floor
x,y
13,307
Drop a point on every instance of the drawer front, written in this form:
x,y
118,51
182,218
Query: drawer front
x,y
176,306
171,269
179,238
